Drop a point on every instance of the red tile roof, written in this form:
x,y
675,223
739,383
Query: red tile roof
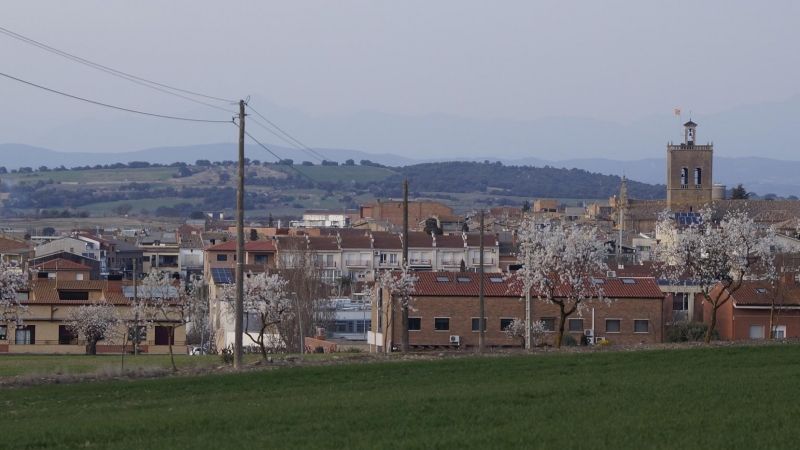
x,y
60,264
249,246
429,286
323,243
46,292
759,293
384,240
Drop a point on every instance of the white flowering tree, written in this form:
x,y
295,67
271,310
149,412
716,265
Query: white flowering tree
x,y
516,330
94,322
165,302
558,265
266,304
707,253
401,287
12,280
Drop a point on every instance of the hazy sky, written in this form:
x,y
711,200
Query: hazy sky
x,y
619,61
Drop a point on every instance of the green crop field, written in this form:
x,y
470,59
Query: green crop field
x,y
342,173
150,174
708,398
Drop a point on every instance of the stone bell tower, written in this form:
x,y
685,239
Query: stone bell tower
x,y
689,168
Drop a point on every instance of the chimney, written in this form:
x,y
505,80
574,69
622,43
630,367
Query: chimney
x,y
787,279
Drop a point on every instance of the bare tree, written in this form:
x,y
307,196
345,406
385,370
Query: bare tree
x,y
94,322
708,253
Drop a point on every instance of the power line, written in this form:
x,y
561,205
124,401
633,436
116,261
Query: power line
x,y
104,68
111,106
286,134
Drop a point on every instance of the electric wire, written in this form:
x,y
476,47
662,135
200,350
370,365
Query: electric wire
x,y
102,67
287,135
163,116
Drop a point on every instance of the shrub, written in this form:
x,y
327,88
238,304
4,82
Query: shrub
x,y
689,332
604,343
569,341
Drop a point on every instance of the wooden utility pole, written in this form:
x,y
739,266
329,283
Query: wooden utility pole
x,y
136,337
481,318
238,353
405,263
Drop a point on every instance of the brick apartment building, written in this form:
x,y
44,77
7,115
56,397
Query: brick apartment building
x,y
391,211
746,314
445,306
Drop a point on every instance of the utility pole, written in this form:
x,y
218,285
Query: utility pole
x,y
405,263
136,307
238,353
481,318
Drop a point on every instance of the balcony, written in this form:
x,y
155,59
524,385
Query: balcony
x,y
451,263
326,264
486,261
420,262
389,264
357,264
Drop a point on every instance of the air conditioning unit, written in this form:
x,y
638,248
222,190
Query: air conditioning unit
x,y
611,274
588,332
455,339
598,339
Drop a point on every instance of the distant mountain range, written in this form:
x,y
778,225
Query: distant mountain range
x,y
761,175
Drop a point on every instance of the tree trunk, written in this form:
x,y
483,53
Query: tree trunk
x,y
92,350
560,334
712,325
772,320
171,355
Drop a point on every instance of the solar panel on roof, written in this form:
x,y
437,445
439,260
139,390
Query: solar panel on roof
x,y
222,275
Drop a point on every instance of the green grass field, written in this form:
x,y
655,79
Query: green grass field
x,y
711,398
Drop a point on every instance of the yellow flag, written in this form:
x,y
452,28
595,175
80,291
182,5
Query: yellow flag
x,y
677,112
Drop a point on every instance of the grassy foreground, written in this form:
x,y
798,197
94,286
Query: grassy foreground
x,y
739,397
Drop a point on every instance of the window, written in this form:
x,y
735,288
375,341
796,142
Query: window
x,y
142,331
25,335
222,257
598,281
477,326
414,324
628,281
505,323
79,276
549,323
443,279
685,176
612,325
761,290
495,279
3,332
756,331
680,301
463,279
641,326
163,336
73,295
66,336
698,176
260,259
441,323
779,331
575,325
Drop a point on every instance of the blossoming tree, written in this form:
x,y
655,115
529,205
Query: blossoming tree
x,y
558,265
12,280
401,286
266,305
94,322
707,253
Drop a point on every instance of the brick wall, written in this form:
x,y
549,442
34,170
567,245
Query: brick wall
x,y
392,211
461,310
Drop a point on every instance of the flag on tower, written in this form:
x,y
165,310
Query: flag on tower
x,y
677,112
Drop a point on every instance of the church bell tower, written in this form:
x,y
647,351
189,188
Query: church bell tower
x,y
689,168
